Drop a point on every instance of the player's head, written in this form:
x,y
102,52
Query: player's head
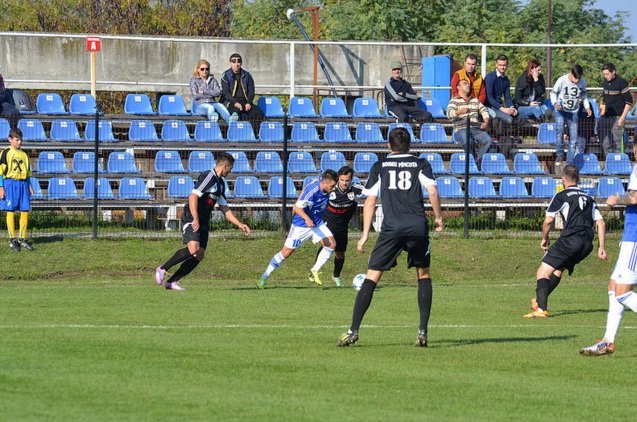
x,y
328,180
608,70
570,175
223,164
345,175
399,140
576,73
15,138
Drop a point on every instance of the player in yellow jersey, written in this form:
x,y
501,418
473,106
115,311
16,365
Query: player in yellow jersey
x,y
16,189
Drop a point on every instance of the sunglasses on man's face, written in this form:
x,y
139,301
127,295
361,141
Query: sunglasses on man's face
x,y
235,61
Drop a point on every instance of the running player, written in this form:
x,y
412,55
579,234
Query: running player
x,y
398,180
308,223
208,191
340,210
575,242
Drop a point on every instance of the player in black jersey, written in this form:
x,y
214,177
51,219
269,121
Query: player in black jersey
x,y
208,191
575,243
398,180
340,210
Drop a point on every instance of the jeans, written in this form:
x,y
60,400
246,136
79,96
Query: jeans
x,y
479,137
575,146
209,108
610,134
532,112
496,113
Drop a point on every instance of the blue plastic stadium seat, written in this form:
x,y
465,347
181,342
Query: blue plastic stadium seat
x,y
180,186
587,163
363,161
50,103
369,133
84,162
142,130
301,107
105,129
271,132
449,187
365,107
199,161
5,127
617,163
172,105
495,163
121,162
433,106
62,188
64,130
304,132
547,133
206,131
513,187
275,187
271,106
138,104
241,163
457,163
133,188
609,186
241,132
37,189
481,187
332,160
301,162
82,104
268,162
104,190
333,108
51,162
543,187
403,125
589,186
227,192
336,132
248,187
174,130
32,130
435,160
168,162
527,163
433,133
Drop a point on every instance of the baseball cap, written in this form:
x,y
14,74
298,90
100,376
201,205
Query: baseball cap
x,y
396,64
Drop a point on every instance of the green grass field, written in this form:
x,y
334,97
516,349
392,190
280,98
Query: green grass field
x,y
86,335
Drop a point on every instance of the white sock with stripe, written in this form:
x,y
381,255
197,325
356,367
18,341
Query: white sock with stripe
x,y
614,317
275,262
629,300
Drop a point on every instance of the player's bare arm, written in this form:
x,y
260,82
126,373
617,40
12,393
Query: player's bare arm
x,y
301,213
193,202
368,213
546,229
434,200
234,220
601,235
630,198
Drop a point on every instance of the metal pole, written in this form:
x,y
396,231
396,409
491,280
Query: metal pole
x,y
467,149
284,202
96,170
549,51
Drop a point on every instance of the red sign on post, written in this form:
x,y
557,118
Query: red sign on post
x,y
93,44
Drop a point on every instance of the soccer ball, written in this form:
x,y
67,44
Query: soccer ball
x,y
357,282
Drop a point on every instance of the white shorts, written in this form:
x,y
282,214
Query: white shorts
x,y
298,235
625,271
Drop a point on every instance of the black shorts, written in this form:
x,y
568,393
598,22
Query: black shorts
x,y
568,251
388,248
341,238
201,235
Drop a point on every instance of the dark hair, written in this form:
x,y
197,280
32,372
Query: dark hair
x,y
501,57
571,173
224,157
345,170
235,56
609,66
471,56
15,133
577,71
329,174
399,140
532,64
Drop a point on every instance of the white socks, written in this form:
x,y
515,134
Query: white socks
x,y
275,262
614,317
322,258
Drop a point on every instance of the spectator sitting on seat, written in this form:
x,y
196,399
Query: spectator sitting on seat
x,y
616,104
529,93
457,110
401,99
498,89
238,91
205,89
470,74
7,109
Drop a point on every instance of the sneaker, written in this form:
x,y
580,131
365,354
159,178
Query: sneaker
x,y
598,349
347,339
314,277
234,117
25,244
214,117
261,282
421,340
338,281
14,245
534,306
537,314
159,275
174,286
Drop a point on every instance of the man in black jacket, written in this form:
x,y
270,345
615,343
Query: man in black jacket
x,y
616,104
401,99
237,88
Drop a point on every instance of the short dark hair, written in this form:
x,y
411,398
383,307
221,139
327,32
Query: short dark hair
x,y
235,56
224,157
609,66
15,133
400,140
571,173
471,56
577,71
501,57
329,174
345,170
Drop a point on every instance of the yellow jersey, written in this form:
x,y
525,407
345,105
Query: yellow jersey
x,y
14,164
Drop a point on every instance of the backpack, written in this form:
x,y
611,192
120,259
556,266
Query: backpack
x,y
21,100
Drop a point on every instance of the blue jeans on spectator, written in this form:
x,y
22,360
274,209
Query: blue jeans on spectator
x,y
496,113
209,108
478,137
575,146
532,112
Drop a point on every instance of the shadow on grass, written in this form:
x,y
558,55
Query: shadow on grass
x,y
470,342
577,311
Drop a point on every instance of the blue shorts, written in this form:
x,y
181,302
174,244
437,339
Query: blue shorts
x,y
17,195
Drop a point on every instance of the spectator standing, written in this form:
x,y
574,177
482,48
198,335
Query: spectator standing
x,y
470,74
7,109
205,89
498,89
401,99
616,103
530,89
238,91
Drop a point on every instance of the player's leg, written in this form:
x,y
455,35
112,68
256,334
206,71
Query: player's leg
x,y
540,302
321,234
197,251
188,235
13,242
419,256
296,237
24,207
